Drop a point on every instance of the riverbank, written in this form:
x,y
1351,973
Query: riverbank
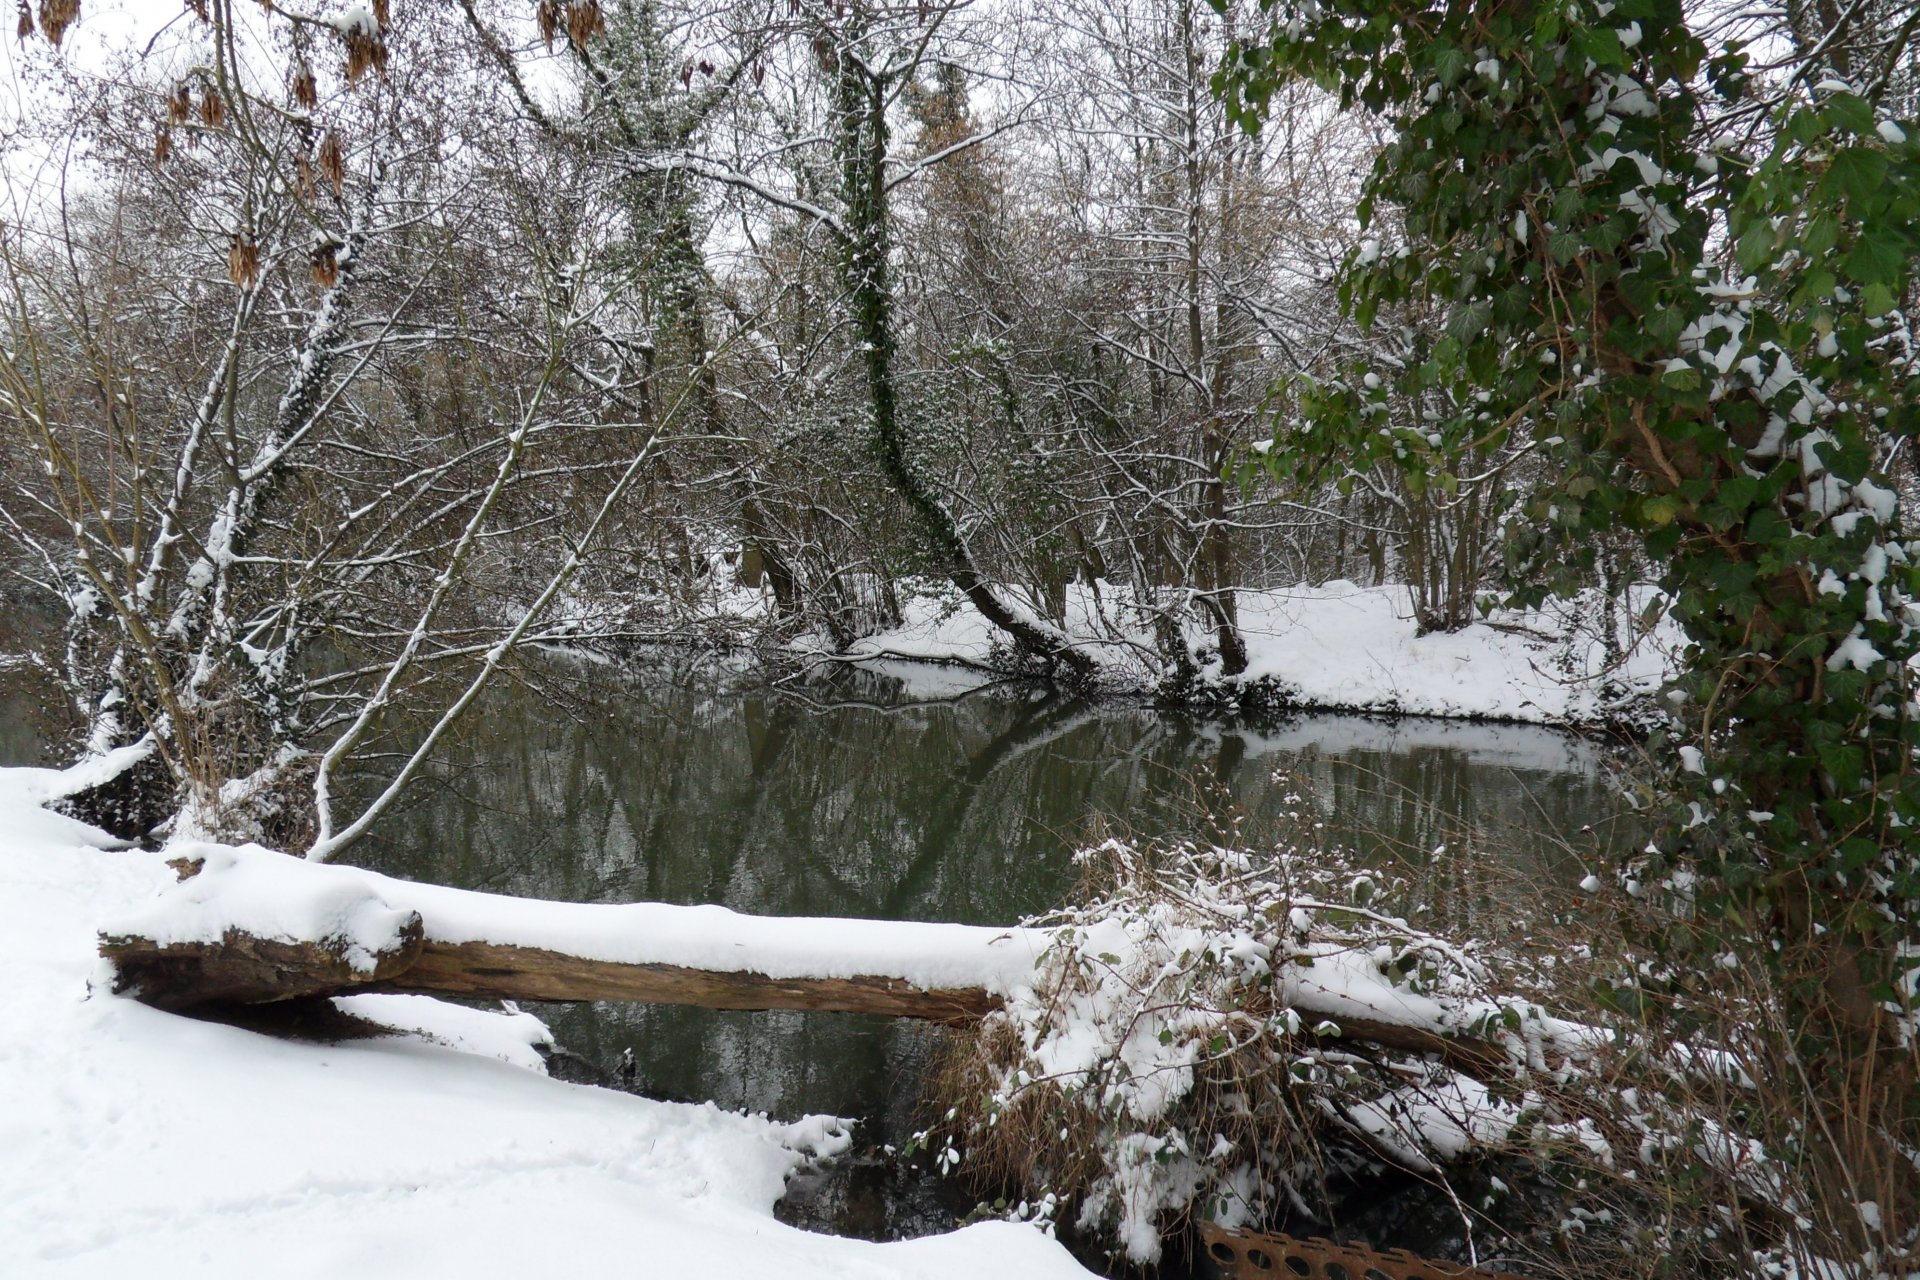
x,y
141,1142
1342,647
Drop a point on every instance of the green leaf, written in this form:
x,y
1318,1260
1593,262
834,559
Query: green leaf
x,y
1876,259
1470,321
1755,247
1665,324
1660,509
1850,112
1856,852
1602,44
1856,173
1821,233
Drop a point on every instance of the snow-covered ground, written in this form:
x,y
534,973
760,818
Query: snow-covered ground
x,y
138,1143
1351,648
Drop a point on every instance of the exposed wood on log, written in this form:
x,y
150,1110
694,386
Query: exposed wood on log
x,y
1478,1059
492,971
245,969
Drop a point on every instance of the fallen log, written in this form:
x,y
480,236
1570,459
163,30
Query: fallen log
x,y
249,926
242,968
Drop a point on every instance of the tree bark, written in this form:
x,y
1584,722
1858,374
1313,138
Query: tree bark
x,y
495,971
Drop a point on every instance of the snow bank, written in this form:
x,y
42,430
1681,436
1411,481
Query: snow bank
x,y
133,1142
1344,647
1350,648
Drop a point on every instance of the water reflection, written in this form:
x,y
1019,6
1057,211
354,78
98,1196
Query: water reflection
x,y
853,796
36,722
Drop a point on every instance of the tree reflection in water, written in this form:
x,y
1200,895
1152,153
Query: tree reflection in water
x,y
849,796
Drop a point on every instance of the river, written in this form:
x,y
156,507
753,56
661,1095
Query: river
x,y
928,798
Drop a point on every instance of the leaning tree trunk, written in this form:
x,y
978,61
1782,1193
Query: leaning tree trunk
x,y
862,142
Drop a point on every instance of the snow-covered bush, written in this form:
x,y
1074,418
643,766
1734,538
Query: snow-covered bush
x,y
1236,1036
1175,1056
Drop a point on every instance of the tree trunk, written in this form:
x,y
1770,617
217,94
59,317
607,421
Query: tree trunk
x,y
861,107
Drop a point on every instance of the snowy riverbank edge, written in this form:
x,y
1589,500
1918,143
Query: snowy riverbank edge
x,y
1342,647
138,1142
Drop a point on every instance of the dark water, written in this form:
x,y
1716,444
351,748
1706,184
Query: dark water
x,y
862,796
35,721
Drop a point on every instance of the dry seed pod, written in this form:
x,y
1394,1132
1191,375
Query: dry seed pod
x,y
584,21
162,145
243,262
325,264
366,51
179,104
213,109
56,16
303,182
26,22
305,92
547,16
199,8
382,16
333,161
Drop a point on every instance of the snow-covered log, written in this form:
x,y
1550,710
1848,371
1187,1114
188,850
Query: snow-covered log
x,y
250,925
245,968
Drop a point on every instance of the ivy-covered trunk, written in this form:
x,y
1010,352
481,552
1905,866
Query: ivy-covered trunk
x,y
1702,339
860,99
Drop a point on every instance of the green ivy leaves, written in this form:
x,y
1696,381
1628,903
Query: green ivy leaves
x,y
1739,423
